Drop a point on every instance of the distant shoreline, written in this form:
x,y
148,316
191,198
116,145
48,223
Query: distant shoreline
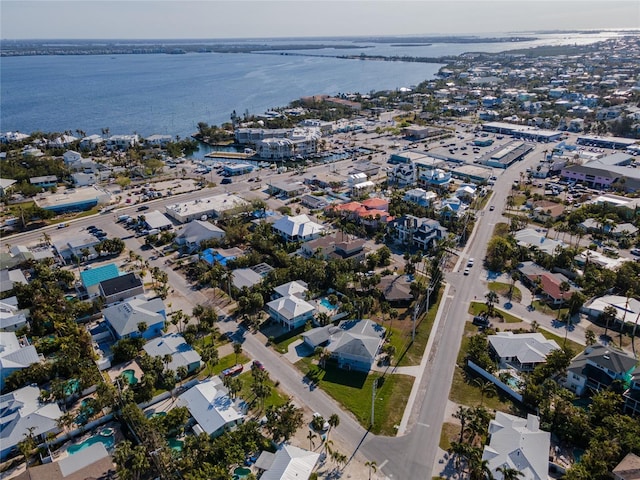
x,y
16,48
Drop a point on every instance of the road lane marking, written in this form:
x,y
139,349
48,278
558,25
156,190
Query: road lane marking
x,y
381,466
424,424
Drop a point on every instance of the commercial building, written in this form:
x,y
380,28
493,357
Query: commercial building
x,y
212,207
73,200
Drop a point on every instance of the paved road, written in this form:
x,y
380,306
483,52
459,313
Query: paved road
x,y
412,455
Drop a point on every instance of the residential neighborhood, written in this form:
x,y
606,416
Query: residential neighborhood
x,y
444,280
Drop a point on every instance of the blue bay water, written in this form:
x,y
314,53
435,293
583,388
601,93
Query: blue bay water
x,y
170,94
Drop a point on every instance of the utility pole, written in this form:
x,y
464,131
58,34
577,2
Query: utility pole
x,y
373,401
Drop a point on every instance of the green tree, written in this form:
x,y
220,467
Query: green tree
x,y
372,466
283,421
237,349
491,300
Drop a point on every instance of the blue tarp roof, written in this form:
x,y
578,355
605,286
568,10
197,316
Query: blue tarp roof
x,y
96,275
211,256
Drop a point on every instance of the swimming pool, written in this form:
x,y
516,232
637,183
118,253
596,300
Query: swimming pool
x,y
107,441
130,375
240,472
327,304
175,444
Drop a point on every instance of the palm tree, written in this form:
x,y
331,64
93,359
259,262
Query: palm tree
x,y
237,349
609,313
509,473
486,387
492,299
564,288
334,421
311,436
372,465
464,415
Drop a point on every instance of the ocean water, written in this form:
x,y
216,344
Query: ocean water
x,y
170,94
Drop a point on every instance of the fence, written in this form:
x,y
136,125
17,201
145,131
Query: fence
x,y
502,386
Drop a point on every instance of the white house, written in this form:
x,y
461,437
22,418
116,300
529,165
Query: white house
x,y
288,463
196,232
298,228
627,309
15,354
522,351
296,287
9,278
291,311
174,344
210,406
11,317
518,443
71,156
20,413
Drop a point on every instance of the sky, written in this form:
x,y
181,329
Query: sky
x,y
208,19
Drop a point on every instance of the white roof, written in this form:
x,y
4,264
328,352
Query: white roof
x,y
125,317
619,302
530,238
245,277
197,231
182,355
156,219
518,443
22,410
301,226
13,355
526,347
290,306
210,406
291,463
297,287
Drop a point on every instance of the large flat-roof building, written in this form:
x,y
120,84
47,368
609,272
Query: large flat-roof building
x,y
71,200
214,206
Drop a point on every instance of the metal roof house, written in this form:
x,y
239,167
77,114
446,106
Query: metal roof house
x,y
21,412
182,355
518,443
124,318
211,407
354,344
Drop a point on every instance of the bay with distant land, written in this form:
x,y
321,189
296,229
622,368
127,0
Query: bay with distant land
x,y
170,94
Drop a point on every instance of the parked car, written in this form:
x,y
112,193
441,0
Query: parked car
x,y
635,251
258,364
226,181
467,270
481,321
231,371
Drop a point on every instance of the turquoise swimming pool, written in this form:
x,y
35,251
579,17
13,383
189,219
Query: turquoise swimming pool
x,y
175,444
327,304
107,441
130,375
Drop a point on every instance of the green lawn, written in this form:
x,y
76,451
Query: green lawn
x,y
353,391
476,308
502,289
283,345
415,350
224,363
276,398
